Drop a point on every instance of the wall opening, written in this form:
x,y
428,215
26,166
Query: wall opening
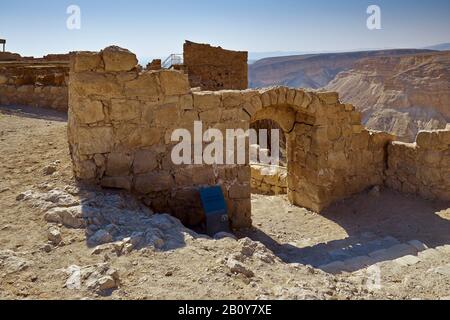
x,y
266,178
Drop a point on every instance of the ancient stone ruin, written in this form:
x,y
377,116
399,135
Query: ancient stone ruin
x,y
34,82
214,68
121,121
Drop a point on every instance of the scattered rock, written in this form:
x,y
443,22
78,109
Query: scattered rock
x,y
407,260
239,268
71,217
375,192
47,248
100,278
443,270
100,237
4,190
54,236
49,170
224,235
11,262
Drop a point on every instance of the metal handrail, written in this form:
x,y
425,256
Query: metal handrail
x,y
172,60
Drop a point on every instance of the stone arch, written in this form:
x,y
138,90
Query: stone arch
x,y
309,122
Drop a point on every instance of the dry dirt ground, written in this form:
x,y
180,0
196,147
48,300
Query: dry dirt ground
x,y
301,243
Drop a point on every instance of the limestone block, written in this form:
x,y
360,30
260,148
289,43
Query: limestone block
x,y
118,164
357,129
256,103
356,117
3,79
174,82
265,99
85,170
282,96
243,173
187,102
429,254
206,100
407,261
444,137
153,182
357,263
428,139
149,136
166,115
337,160
393,252
116,182
298,99
94,140
144,162
349,107
124,109
307,100
88,111
329,97
333,268
211,115
118,59
145,86
231,99
334,132
290,96
203,175
87,84
239,191
240,214
85,61
360,141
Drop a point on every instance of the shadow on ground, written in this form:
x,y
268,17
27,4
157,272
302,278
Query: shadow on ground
x,y
373,225
35,113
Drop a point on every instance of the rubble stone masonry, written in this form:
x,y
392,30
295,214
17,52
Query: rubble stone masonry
x,y
422,167
121,121
269,180
39,84
214,68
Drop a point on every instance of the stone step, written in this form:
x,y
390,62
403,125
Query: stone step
x,y
404,254
363,249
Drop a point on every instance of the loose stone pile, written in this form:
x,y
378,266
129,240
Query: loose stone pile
x,y
118,222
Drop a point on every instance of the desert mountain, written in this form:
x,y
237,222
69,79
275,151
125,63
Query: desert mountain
x,y
398,91
399,94
312,70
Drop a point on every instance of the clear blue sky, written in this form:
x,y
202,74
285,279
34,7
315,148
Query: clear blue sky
x,y
156,28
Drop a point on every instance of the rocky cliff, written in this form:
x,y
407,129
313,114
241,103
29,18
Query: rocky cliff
x,y
310,71
399,94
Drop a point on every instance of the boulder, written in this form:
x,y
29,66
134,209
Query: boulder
x,y
118,59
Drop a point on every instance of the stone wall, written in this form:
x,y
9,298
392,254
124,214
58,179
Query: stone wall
x,y
269,180
213,68
34,84
121,121
9,56
155,64
120,126
423,167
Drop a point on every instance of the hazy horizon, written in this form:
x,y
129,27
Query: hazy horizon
x,y
155,29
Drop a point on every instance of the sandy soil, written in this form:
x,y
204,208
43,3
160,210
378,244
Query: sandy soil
x,y
34,139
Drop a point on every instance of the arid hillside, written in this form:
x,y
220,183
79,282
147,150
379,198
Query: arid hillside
x,y
310,71
399,94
